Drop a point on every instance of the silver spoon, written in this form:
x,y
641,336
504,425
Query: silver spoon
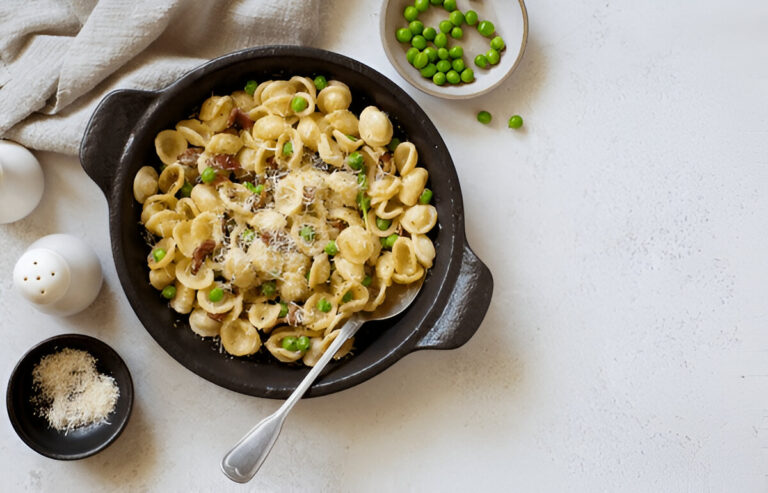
x,y
243,461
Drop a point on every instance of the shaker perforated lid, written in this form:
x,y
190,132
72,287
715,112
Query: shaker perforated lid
x,y
42,276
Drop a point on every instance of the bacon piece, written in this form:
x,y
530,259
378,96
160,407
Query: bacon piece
x,y
337,223
266,237
293,316
189,157
270,163
225,161
240,118
217,316
198,256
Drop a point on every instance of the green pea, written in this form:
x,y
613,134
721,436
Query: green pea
x,y
331,248
425,197
169,292
158,254
492,56
497,43
416,27
216,294
421,5
208,174
441,40
307,233
429,33
486,28
419,42
288,148
457,18
283,310
411,54
393,144
442,54
449,5
467,75
247,236
324,305
481,61
250,87
298,104
186,189
429,71
289,343
347,297
320,82
268,288
355,160
250,186
302,343
457,33
458,65
452,77
515,121
484,117
443,66
431,53
456,52
470,17
403,35
383,224
259,189
445,26
389,241
421,60
410,13
439,78
367,280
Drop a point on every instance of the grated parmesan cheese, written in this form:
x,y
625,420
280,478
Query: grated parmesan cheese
x,y
71,393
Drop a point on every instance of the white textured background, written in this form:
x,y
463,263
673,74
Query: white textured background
x,y
626,346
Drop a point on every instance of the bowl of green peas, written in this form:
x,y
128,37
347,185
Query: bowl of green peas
x,y
454,49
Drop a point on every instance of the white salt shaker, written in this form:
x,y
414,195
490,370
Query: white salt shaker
x,y
58,274
21,182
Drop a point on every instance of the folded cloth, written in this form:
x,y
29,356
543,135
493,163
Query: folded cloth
x,y
58,58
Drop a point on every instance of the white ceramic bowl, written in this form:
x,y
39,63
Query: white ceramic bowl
x,y
508,16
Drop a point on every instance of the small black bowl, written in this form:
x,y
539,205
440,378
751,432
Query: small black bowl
x,y
81,442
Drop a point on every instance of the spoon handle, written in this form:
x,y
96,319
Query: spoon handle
x,y
243,461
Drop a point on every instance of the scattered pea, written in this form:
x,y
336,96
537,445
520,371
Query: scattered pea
x,y
441,40
320,82
456,18
298,104
250,87
429,71
283,310
515,121
411,54
439,78
421,5
259,189
289,343
431,53
403,35
497,43
457,33
492,56
331,248
445,26
287,148
470,17
456,52
443,66
158,254
486,28
442,54
268,288
410,13
484,117
216,294
481,61
383,224
421,60
186,189
367,280
459,65
250,186
449,5
208,174
355,160
307,233
429,33
393,144
302,343
419,42
347,297
389,241
467,75
452,77
426,196
169,292
416,27
324,305
247,236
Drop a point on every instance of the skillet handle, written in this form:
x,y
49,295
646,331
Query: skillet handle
x,y
466,306
108,131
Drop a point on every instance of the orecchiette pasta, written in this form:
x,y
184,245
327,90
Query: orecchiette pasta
x,y
279,213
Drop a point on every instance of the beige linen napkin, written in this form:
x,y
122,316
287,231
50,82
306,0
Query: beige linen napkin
x,y
58,58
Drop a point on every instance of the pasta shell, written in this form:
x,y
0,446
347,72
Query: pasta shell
x,y
168,145
375,127
413,185
201,280
419,219
355,244
144,184
203,325
196,132
240,338
319,346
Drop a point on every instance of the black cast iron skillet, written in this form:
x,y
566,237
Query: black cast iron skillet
x,y
119,140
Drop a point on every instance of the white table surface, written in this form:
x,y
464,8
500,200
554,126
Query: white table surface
x,y
625,348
